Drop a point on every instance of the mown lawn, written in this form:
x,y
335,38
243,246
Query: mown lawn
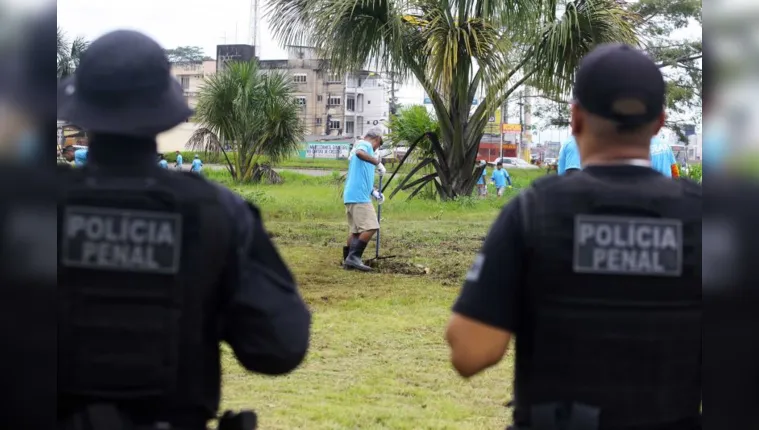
x,y
378,359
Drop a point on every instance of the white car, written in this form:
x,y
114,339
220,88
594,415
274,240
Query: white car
x,y
513,163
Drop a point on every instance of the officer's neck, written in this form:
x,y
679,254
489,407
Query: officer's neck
x,y
612,156
122,151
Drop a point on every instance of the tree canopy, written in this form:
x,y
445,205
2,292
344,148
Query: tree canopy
x,y
187,55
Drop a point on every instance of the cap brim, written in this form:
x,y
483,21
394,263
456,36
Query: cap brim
x,y
142,118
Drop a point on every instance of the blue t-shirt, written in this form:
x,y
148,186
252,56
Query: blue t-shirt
x,y
569,156
80,157
500,177
482,178
196,165
163,164
360,179
662,157
179,159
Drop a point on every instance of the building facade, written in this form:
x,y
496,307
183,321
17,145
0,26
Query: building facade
x,y
192,76
333,106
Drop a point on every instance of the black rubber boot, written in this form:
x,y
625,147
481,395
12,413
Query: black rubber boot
x,y
353,261
346,249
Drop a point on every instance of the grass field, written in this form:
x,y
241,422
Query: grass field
x,y
378,359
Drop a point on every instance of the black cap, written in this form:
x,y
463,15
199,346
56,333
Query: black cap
x,y
620,83
124,86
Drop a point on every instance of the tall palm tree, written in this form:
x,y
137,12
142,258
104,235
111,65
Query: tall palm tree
x,y
455,49
252,112
69,53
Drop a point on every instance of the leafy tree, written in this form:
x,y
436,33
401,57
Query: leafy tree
x,y
679,59
187,55
455,49
410,125
251,114
69,53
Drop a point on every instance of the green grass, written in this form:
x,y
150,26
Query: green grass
x,y
378,359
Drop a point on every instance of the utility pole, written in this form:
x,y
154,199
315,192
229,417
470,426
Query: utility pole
x,y
504,120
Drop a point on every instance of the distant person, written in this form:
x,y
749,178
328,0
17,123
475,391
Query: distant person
x,y
180,159
569,157
359,183
163,164
482,186
196,165
78,156
663,159
500,178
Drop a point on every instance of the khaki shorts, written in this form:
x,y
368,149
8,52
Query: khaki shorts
x,y
361,217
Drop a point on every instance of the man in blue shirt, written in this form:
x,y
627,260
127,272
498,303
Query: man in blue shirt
x,y
197,165
178,164
163,164
662,158
482,187
359,183
500,178
78,156
569,157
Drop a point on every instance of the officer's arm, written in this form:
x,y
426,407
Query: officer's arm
x,y
485,314
363,155
264,319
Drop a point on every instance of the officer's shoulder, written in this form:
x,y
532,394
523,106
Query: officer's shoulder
x,y
690,187
545,182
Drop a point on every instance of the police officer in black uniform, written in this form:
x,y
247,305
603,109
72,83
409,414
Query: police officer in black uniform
x,y
157,267
597,274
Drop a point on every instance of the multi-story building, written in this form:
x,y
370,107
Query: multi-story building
x,y
332,105
192,76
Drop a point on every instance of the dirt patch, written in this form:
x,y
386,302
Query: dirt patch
x,y
399,267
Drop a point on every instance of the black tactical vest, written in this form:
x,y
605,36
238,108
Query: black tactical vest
x,y
140,258
627,344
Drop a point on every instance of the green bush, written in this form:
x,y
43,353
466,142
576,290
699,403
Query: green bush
x,y
695,172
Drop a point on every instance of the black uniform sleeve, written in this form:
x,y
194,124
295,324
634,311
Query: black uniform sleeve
x,y
493,288
264,320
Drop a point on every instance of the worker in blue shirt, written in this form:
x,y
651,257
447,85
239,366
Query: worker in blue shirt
x,y
663,159
500,178
78,156
482,186
178,164
197,165
163,164
569,157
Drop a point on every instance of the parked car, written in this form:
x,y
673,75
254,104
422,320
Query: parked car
x,y
513,163
550,161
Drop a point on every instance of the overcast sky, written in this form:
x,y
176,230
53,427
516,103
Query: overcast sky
x,y
204,23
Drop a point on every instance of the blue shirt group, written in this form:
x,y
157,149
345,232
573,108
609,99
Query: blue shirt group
x,y
501,177
569,156
662,157
197,165
179,160
80,157
359,181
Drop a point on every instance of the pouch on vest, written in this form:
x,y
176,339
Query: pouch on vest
x,y
130,302
626,343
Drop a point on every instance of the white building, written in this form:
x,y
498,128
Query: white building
x,y
366,104
192,76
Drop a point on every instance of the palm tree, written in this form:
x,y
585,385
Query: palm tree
x,y
253,113
455,49
69,54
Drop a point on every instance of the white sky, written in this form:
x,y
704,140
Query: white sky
x,y
201,23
